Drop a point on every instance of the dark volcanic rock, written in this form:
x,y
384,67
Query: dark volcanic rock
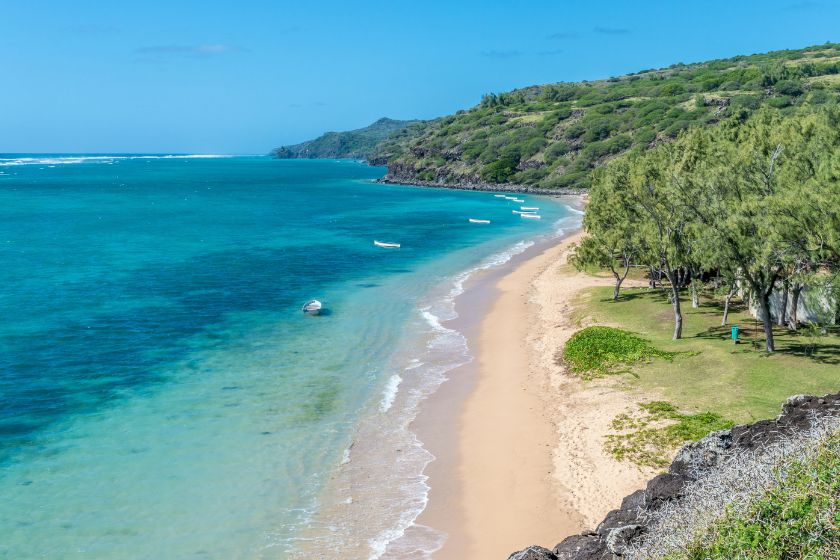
x,y
582,547
615,519
619,539
634,501
621,527
533,553
663,488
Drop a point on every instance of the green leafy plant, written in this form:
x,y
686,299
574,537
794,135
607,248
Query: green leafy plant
x,y
596,351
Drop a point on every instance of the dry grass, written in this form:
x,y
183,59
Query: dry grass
x,y
730,493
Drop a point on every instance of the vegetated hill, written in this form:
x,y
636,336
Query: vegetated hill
x,y
552,136
357,144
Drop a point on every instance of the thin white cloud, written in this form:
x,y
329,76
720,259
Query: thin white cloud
x,y
198,51
612,30
501,54
564,35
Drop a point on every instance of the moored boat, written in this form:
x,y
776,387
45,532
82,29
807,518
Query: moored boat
x,y
312,307
523,211
529,208
530,216
386,245
477,221
519,200
499,196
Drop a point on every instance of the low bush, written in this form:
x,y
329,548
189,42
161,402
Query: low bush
x,y
599,350
649,436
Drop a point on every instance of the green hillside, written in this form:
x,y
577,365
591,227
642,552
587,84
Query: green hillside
x,y
357,144
552,136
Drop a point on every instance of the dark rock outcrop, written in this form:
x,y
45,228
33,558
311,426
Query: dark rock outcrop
x,y
617,532
533,553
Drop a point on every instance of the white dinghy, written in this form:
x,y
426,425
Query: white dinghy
x,y
519,200
476,221
531,216
529,208
312,307
523,211
386,245
499,196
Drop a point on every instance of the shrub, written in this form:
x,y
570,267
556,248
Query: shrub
x,y
646,441
750,102
599,350
789,87
499,171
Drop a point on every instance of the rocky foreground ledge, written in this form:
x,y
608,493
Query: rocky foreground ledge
x,y
623,526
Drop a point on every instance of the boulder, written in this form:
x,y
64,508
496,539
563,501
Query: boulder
x,y
618,540
634,501
582,547
663,488
533,553
615,519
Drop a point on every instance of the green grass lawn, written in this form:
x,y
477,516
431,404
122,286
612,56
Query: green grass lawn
x,y
710,373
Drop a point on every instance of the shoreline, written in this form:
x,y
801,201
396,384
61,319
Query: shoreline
x,y
518,444
483,187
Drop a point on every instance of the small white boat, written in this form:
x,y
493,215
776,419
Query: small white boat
x,y
499,196
519,200
475,221
529,208
523,211
509,197
386,245
531,216
312,307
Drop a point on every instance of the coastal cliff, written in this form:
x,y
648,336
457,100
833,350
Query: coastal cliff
x,y
697,463
368,143
546,138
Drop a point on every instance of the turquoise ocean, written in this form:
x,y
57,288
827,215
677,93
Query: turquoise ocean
x,y
163,396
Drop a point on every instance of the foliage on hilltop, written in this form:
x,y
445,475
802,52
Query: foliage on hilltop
x,y
553,136
355,144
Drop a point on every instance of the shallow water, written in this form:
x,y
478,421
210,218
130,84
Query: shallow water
x,y
162,394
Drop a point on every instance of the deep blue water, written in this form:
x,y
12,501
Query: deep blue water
x,y
160,389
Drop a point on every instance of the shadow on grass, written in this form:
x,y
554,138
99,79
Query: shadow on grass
x,y
821,349
659,295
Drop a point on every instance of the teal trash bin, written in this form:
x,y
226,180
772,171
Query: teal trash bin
x,y
735,330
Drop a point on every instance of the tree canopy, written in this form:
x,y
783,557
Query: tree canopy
x,y
755,200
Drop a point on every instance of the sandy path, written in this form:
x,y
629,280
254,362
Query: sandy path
x,y
531,467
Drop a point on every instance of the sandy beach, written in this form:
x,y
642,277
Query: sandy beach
x,y
525,464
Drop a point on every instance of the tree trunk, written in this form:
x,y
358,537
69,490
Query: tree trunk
x,y
678,319
651,279
781,320
728,300
620,278
793,319
764,301
675,302
695,297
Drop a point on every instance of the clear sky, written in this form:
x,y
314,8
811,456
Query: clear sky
x,y
243,77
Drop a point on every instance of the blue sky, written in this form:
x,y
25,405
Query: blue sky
x,y
243,77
